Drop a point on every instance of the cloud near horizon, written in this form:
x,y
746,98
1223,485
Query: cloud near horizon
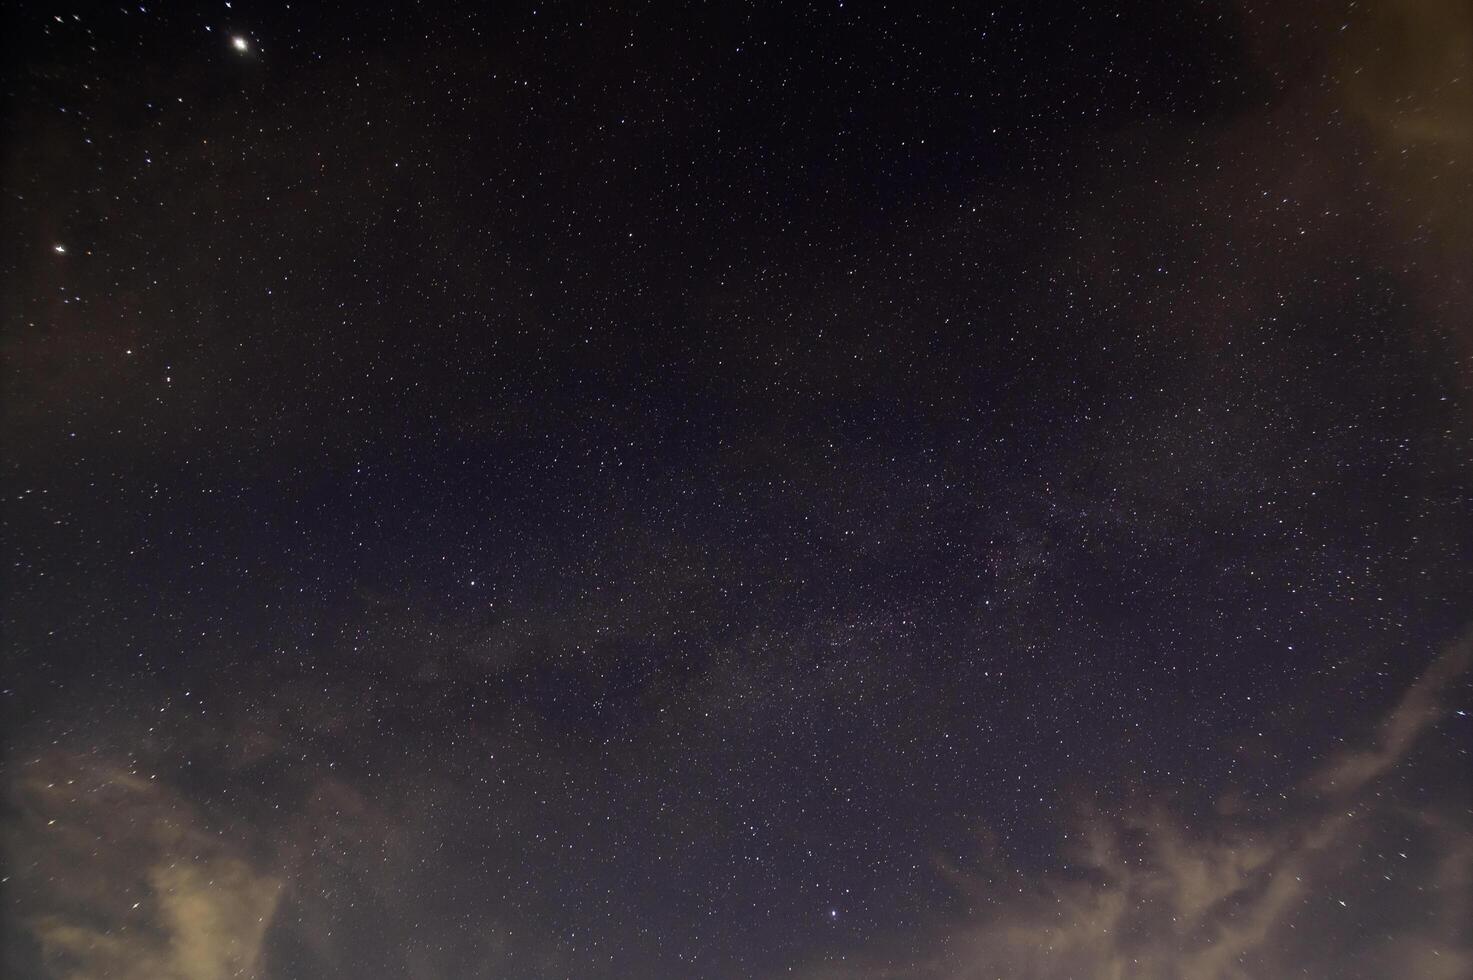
x,y
124,879
1341,878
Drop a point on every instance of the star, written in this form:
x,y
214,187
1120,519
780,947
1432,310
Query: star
x,y
59,248
240,43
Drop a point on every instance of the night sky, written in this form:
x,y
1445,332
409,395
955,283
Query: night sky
x,y
725,490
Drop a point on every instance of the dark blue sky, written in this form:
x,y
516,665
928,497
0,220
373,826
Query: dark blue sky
x,y
737,490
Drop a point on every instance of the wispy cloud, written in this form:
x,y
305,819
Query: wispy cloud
x,y
1337,879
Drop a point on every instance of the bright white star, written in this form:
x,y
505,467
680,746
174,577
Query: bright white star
x,y
240,43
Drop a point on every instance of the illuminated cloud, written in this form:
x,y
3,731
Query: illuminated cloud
x,y
1322,882
122,878
1409,70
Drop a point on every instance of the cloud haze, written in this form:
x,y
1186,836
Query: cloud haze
x,y
1270,888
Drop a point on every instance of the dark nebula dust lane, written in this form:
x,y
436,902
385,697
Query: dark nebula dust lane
x,y
737,491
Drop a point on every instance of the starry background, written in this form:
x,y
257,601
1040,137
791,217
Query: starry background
x,y
737,490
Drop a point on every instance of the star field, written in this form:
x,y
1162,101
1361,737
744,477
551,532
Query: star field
x,y
748,490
